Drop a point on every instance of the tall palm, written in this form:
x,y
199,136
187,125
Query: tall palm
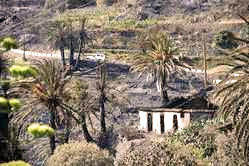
x,y
107,95
232,96
160,62
58,31
48,89
83,40
102,98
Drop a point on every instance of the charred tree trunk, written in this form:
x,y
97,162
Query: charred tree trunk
x,y
102,113
71,56
82,42
67,129
53,125
86,133
81,45
102,97
62,50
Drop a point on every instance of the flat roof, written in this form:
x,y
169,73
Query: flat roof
x,y
160,109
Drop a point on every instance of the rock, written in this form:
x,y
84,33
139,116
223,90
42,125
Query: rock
x,y
142,16
2,19
128,33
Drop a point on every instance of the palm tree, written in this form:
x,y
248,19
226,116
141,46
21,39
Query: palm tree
x,y
83,39
232,96
58,31
48,89
160,62
83,103
102,98
107,95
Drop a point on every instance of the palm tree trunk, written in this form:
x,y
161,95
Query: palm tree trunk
x,y
53,125
158,86
78,58
102,113
71,56
67,125
86,133
164,93
63,56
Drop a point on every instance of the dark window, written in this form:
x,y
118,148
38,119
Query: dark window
x,y
162,123
182,115
175,123
149,122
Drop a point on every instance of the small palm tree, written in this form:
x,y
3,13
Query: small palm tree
x,y
160,62
232,96
48,89
84,39
58,31
82,102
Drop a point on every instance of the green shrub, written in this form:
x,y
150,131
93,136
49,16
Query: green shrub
x,y
15,104
162,154
79,153
38,130
196,135
8,43
227,152
225,40
23,71
15,163
3,103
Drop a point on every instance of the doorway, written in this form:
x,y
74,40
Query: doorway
x,y
149,122
162,123
175,123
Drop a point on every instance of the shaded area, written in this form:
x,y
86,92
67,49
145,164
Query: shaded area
x,y
88,67
195,101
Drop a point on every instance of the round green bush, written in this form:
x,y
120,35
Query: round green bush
x,y
38,130
3,103
15,163
80,154
24,71
15,104
15,70
8,43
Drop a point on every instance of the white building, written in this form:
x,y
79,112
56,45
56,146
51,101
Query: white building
x,y
162,120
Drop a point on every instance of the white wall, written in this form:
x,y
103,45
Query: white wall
x,y
168,121
182,122
143,121
156,122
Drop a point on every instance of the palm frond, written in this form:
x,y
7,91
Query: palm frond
x,y
232,96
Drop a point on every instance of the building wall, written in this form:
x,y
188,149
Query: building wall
x,y
143,121
182,122
156,122
168,121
